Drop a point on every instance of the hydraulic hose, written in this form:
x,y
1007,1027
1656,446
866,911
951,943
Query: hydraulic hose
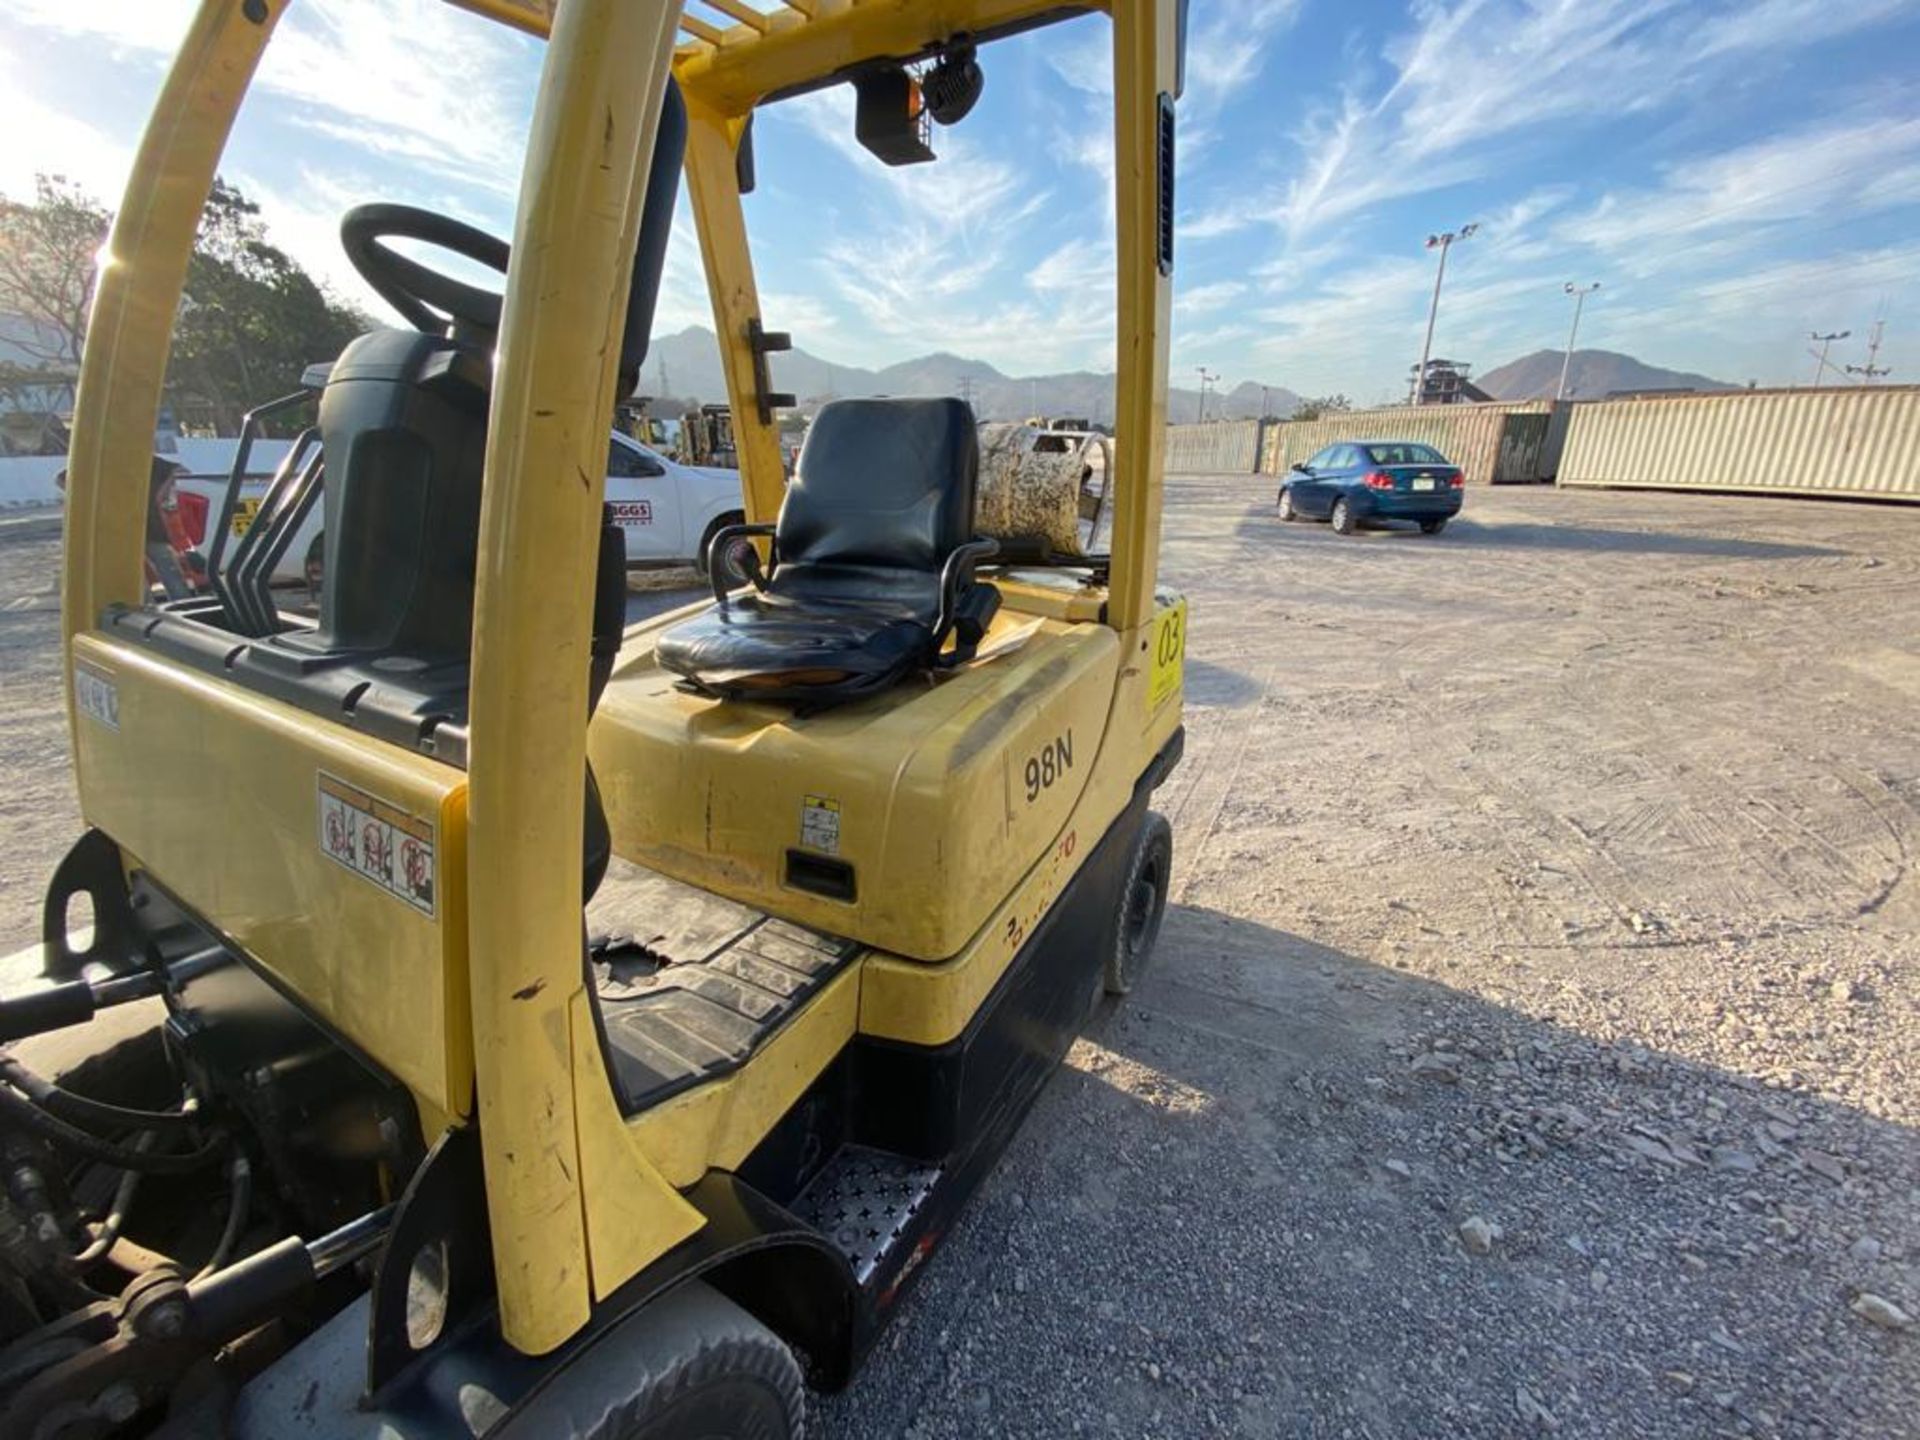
x,y
82,1110
116,1212
241,1174
16,1107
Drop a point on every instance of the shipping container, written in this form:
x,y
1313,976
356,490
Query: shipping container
x,y
1216,447
1500,443
1857,441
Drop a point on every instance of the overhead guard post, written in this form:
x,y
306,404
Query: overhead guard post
x,y
581,196
136,297
1144,62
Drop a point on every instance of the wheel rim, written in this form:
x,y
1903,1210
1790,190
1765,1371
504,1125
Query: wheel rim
x,y
733,565
1143,904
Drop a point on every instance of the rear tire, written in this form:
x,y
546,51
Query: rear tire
x,y
1285,505
703,1368
1432,527
1143,904
1343,520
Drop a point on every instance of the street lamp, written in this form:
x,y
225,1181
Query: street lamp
x,y
1579,293
1820,358
1207,377
1441,242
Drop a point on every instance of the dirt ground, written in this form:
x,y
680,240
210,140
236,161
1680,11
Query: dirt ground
x,y
1532,1041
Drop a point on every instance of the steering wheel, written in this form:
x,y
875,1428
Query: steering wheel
x,y
424,297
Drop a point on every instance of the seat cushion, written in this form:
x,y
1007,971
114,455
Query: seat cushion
x,y
770,647
881,498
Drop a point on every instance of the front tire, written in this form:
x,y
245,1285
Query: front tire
x,y
1285,505
1143,904
733,567
704,1367
1343,521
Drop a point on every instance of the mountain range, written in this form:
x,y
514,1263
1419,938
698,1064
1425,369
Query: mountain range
x,y
685,367
1594,375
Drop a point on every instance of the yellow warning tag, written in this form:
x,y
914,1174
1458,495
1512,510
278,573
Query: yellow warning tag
x,y
1169,644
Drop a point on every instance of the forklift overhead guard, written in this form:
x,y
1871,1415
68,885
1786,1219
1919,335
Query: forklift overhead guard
x,y
574,1155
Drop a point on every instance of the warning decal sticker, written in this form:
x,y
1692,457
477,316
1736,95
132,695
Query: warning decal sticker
x,y
95,695
820,824
378,842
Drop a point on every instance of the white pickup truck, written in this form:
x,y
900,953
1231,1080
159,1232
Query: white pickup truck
x,y
668,510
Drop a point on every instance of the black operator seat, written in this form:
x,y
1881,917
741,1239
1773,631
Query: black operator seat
x,y
872,568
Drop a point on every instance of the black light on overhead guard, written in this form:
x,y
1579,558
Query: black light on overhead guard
x,y
890,117
953,85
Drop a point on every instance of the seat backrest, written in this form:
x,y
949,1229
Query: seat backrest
x,y
403,424
882,484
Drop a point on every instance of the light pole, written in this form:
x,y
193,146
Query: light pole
x,y
1871,370
1579,293
1820,367
1441,242
1207,377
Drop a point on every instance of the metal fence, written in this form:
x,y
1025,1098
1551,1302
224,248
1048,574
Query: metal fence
x,y
1500,443
1219,447
1857,441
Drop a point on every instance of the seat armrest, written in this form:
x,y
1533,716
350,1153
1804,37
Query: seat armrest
x,y
954,575
723,536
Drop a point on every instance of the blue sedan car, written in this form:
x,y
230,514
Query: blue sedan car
x,y
1359,482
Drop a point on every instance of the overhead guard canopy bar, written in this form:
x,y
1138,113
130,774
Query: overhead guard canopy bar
x,y
804,44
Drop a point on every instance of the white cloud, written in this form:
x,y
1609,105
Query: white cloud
x,y
410,80
1780,24
93,160
923,257
130,26
1708,207
1229,48
1202,299
1471,82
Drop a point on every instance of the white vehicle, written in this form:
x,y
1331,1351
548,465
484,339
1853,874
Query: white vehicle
x,y
669,511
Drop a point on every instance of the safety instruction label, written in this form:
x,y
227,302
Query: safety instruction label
x,y
95,695
378,841
820,824
1168,641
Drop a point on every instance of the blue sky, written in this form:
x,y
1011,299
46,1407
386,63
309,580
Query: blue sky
x,y
1734,172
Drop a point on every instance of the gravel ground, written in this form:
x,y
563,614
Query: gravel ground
x,y
1531,1042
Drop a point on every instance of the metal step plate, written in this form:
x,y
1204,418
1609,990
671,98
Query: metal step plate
x,y
864,1201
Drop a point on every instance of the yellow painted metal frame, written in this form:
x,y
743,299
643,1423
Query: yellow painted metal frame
x,y
724,77
577,1201
135,299
543,1123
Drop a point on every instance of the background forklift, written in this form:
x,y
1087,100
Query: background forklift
x,y
531,1028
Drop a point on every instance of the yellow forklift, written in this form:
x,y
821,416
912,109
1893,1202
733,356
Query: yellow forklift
x,y
465,1014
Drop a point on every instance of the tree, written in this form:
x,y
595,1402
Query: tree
x,y
251,319
1321,405
49,249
